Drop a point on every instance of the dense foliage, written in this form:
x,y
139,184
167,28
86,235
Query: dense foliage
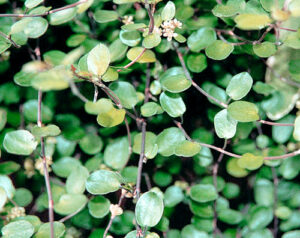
x,y
136,118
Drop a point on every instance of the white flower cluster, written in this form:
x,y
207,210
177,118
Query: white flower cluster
x,y
127,20
16,212
40,166
115,210
168,28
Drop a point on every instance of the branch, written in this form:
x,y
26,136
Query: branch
x,y
70,215
45,13
275,182
134,61
10,40
76,92
46,172
275,123
285,156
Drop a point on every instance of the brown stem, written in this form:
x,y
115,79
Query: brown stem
x,y
134,61
187,74
70,216
76,92
275,123
9,39
45,13
112,217
275,182
46,172
286,29
96,93
147,89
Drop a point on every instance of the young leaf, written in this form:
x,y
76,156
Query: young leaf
x,y
172,104
265,49
98,60
187,148
44,230
102,182
201,39
219,50
147,57
252,21
174,80
168,12
149,209
250,161
243,111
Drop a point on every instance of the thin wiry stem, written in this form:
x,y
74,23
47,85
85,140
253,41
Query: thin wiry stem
x,y
113,217
46,172
76,92
275,182
96,92
45,13
9,39
285,156
133,61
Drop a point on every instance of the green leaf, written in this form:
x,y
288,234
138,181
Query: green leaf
x,y
203,193
168,12
7,185
69,203
130,38
151,147
168,139
63,16
150,109
296,132
281,134
173,196
260,217
116,153
54,79
32,27
151,40
126,93
99,206
76,180
239,86
265,49
190,231
230,216
117,50
133,26
149,209
103,16
231,190
172,104
234,169
201,39
243,111
174,80
187,148
3,118
20,229
264,192
98,60
102,182
23,197
9,167
291,234
252,21
250,161
20,142
50,130
219,50
110,75
44,230
269,5
225,125
32,3
197,63
294,8
91,144
230,9
147,57
30,109
263,88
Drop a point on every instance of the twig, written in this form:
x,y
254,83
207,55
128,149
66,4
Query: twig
x,y
134,61
9,39
275,123
285,156
46,172
147,179
147,88
286,29
187,74
96,93
70,215
219,1
113,217
275,182
76,92
45,13
215,174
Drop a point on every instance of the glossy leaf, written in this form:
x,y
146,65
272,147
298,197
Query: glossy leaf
x,y
149,209
147,57
203,193
219,50
168,12
99,206
126,93
187,148
225,125
172,104
151,147
239,86
69,203
250,161
44,230
201,39
103,16
116,153
21,229
98,60
102,182
174,80
251,21
20,142
265,49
